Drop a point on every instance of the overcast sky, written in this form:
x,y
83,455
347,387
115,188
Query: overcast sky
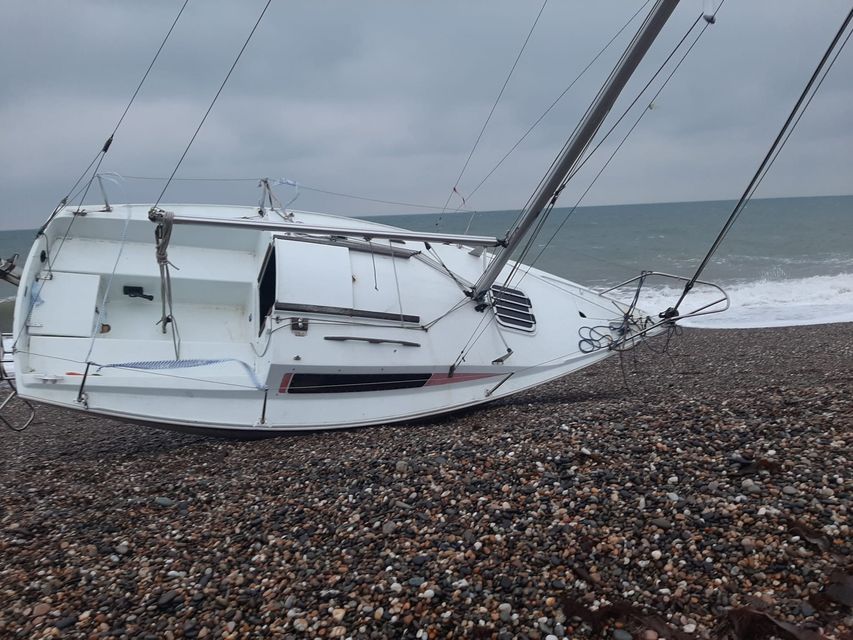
x,y
385,99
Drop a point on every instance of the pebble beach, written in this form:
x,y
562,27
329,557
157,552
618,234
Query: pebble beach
x,y
701,492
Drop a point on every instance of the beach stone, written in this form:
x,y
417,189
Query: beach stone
x,y
789,490
402,466
64,623
163,501
621,634
750,486
303,553
167,598
690,627
389,527
505,611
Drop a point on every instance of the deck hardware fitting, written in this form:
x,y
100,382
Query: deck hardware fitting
x,y
82,397
498,385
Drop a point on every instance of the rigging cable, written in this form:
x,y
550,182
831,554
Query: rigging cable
x,y
556,160
99,157
475,336
543,218
781,139
615,150
213,102
431,207
492,111
557,100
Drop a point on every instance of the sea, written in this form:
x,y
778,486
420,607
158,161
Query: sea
x,y
786,261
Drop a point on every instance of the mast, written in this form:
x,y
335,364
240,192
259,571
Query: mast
x,y
583,134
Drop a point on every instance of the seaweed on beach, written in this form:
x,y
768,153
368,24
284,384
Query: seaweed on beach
x,y
746,623
812,536
839,589
620,611
751,467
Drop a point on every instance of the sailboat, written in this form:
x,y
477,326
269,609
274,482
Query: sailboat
x,y
255,321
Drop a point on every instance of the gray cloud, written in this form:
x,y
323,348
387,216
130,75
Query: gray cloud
x,y
384,99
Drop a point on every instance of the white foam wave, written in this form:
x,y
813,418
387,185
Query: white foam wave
x,y
765,303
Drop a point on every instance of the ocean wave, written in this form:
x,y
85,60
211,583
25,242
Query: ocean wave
x,y
764,303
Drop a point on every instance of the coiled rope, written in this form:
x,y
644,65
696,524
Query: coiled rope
x,y
162,235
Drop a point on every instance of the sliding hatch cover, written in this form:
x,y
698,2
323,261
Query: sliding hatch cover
x,y
319,278
312,276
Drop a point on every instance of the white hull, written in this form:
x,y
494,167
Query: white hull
x,y
292,331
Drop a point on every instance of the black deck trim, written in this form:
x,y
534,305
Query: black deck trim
x,y
344,311
404,343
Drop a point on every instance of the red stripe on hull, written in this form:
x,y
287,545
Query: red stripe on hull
x,y
442,378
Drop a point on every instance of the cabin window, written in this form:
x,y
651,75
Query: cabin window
x,y
266,287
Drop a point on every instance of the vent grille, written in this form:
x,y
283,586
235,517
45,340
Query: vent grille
x,y
513,309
